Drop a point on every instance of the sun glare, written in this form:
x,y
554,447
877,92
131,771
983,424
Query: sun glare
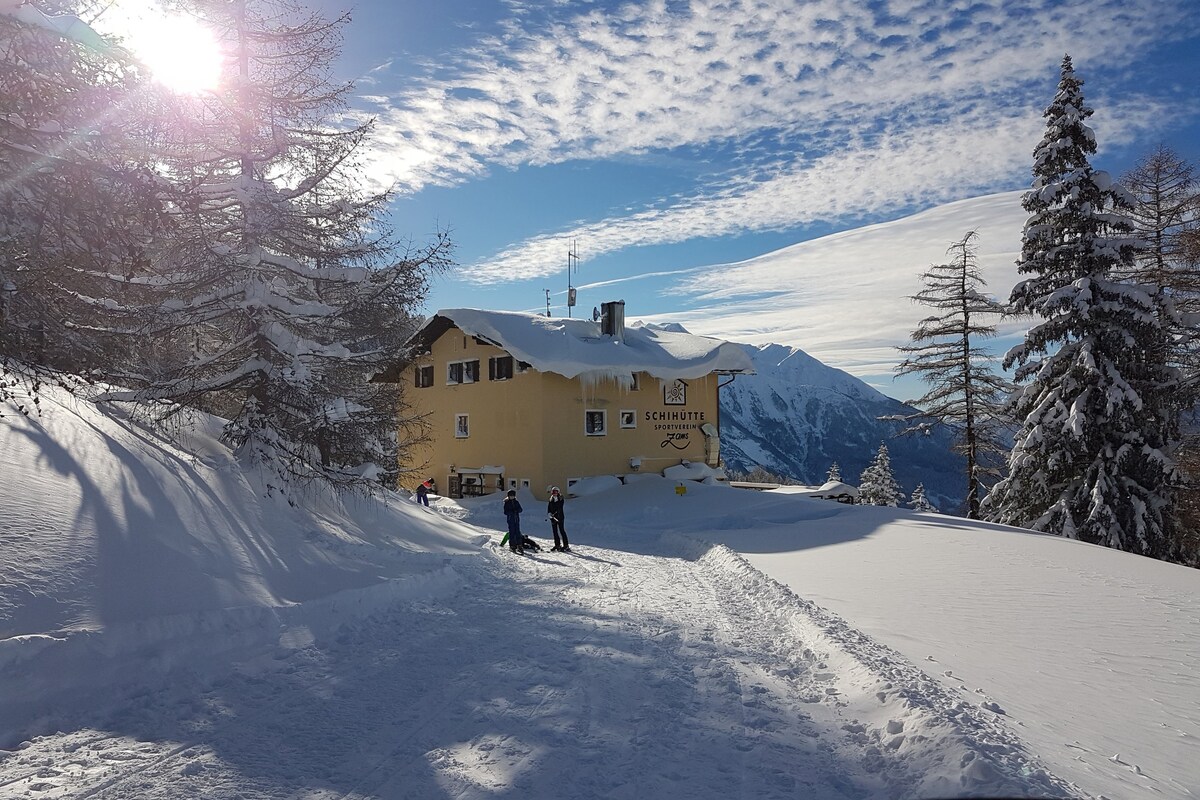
x,y
179,51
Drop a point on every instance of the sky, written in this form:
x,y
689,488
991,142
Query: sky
x,y
679,148
166,631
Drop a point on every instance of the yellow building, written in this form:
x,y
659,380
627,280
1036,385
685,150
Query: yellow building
x,y
519,400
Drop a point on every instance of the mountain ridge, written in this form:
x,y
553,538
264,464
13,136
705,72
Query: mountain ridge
x,y
797,415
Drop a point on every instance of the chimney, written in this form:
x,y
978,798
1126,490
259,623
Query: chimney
x,y
612,319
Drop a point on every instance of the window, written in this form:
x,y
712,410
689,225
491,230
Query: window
x,y
595,423
628,418
462,371
462,428
500,368
423,376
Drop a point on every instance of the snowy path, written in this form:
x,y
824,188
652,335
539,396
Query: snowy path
x,y
603,673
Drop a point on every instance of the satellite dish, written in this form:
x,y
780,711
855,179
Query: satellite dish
x,y
595,314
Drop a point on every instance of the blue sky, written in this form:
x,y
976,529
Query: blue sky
x,y
700,154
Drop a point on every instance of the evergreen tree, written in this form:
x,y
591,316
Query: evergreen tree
x,y
280,271
835,473
1090,460
877,485
964,392
919,502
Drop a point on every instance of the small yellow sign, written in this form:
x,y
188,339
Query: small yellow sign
x,y
681,490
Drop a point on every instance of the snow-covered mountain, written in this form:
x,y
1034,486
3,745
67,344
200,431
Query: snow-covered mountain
x,y
798,415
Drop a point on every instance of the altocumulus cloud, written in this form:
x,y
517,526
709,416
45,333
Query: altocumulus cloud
x,y
836,296
836,110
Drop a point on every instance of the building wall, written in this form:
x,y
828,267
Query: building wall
x,y
534,425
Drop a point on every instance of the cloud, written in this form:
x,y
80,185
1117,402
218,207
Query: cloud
x,y
841,298
754,75
977,152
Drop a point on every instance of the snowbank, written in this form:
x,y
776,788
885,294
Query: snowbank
x,y
593,485
692,471
119,547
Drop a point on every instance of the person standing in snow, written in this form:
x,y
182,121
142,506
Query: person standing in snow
x,y
512,513
423,494
554,510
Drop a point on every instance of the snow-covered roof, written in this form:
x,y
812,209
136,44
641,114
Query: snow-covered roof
x,y
837,489
575,347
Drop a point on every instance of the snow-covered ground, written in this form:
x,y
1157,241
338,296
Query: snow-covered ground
x,y
165,632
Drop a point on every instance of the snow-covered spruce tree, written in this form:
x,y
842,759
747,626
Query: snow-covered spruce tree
x,y
1090,459
834,474
280,273
77,207
964,392
877,484
919,502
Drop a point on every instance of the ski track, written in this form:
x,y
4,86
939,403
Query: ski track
x,y
596,674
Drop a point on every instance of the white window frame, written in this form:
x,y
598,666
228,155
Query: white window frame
x,y
450,379
587,414
462,426
632,412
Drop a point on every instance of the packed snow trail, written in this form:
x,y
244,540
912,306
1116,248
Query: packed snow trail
x,y
595,674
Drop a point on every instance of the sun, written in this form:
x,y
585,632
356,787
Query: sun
x,y
179,51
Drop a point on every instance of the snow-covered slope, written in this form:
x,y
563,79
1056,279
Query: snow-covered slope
x,y
709,644
797,416
115,540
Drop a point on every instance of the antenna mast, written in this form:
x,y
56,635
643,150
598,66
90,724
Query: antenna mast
x,y
572,264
